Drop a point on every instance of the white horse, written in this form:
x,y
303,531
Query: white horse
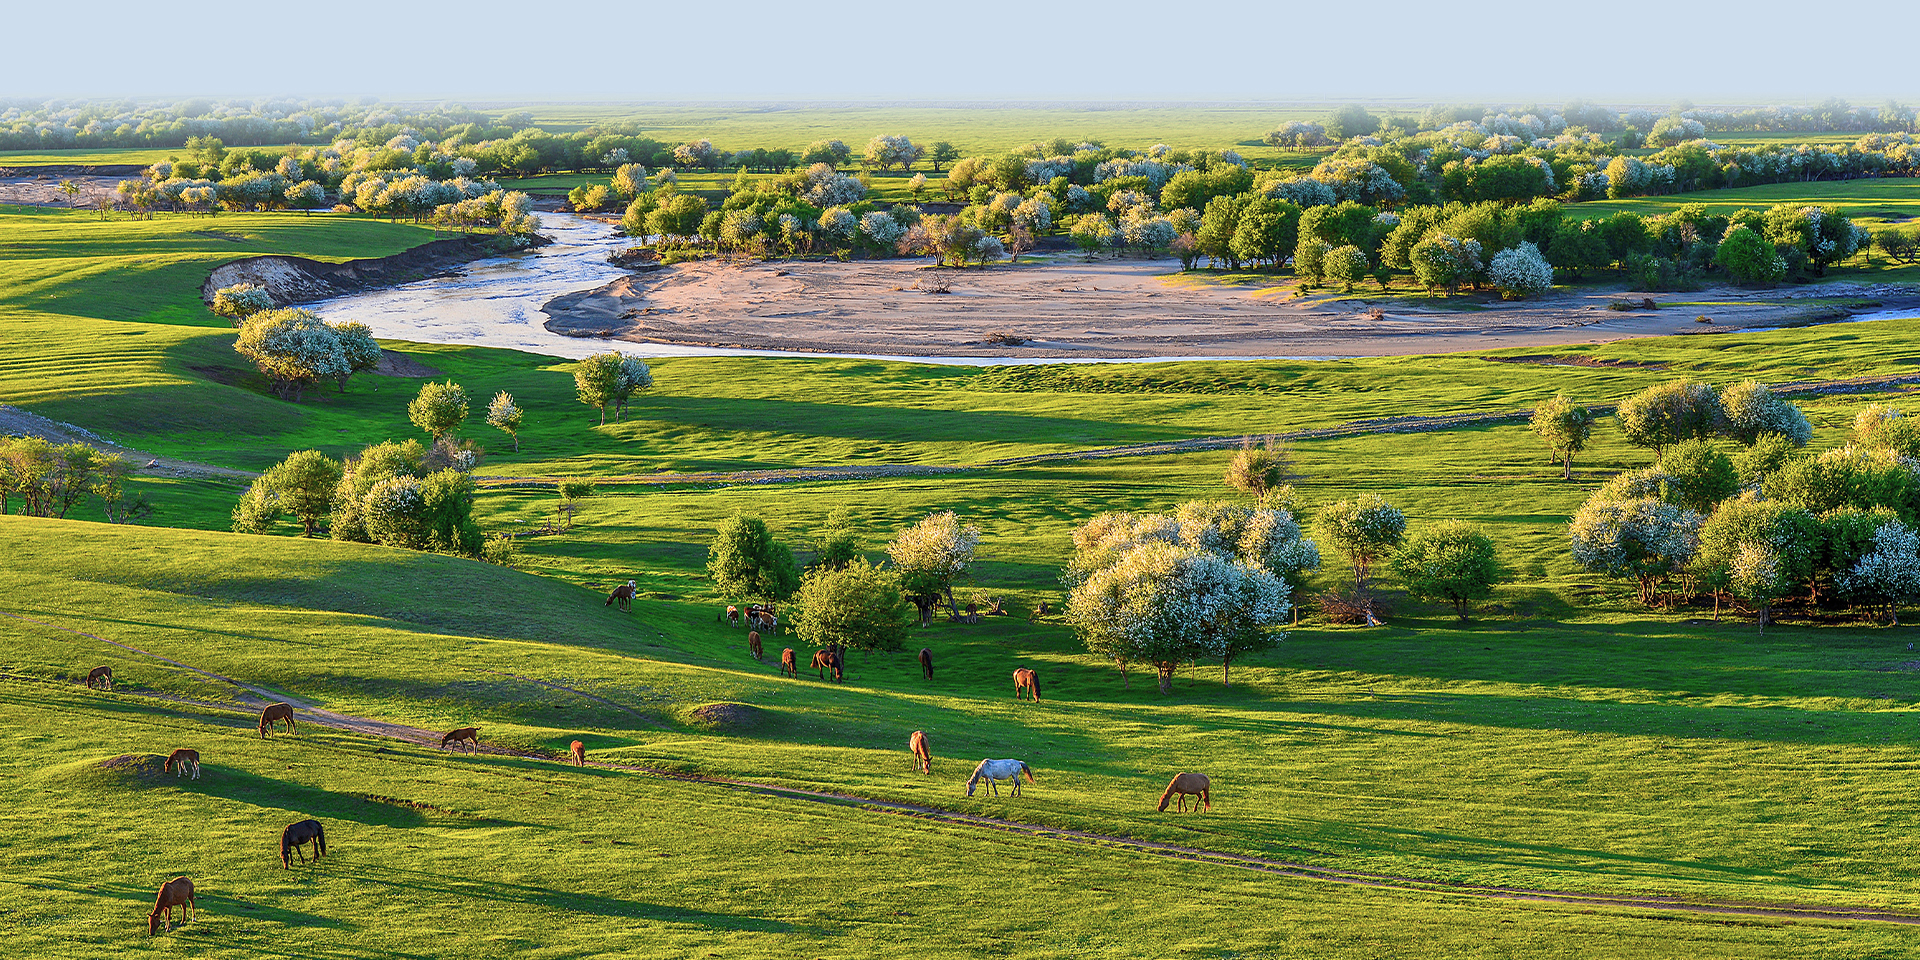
x,y
991,770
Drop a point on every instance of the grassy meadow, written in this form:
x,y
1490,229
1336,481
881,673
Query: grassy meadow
x,y
1564,739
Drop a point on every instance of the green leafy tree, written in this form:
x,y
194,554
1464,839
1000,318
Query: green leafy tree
x,y
1758,550
1258,470
1753,411
302,485
1345,266
942,152
1566,427
1696,476
358,347
439,409
610,380
840,546
240,301
571,492
857,606
1452,561
1364,530
504,415
1668,413
1749,258
745,561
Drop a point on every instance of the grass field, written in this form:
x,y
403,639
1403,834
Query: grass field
x,y
1563,740
1871,203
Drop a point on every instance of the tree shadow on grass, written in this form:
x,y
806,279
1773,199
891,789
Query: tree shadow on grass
x,y
416,882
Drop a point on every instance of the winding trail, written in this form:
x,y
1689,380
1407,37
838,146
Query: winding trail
x,y
250,694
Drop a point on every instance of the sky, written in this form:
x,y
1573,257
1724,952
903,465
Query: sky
x,y
1224,50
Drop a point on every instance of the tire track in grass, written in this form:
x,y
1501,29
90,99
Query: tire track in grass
x,y
1170,851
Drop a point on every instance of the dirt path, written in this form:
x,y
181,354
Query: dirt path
x,y
1171,851
17,422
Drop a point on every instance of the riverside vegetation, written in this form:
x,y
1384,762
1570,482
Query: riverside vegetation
x,y
1566,737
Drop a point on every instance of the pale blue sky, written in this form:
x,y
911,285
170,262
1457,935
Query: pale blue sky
x,y
1501,50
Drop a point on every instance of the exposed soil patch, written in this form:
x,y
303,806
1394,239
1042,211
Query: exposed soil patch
x,y
726,716
400,365
220,235
1110,309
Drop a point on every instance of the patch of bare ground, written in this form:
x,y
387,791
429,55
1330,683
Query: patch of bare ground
x,y
1110,309
20,423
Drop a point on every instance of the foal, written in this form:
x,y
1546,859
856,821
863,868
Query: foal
x,y
275,713
788,666
182,760
177,892
299,834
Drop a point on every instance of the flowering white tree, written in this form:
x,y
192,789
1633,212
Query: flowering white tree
x,y
1646,540
293,348
884,152
1889,574
930,556
1164,603
306,195
881,230
505,415
837,225
240,301
358,347
1520,271
827,187
1753,411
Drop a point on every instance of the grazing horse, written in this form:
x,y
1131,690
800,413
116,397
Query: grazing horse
x,y
100,677
992,770
823,661
1025,682
297,834
274,713
788,667
579,754
1188,785
622,593
181,761
918,744
466,734
177,892
926,663
753,644
732,614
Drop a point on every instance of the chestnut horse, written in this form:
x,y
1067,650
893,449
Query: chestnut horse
x,y
274,713
788,667
1188,785
100,677
992,770
466,734
918,744
926,662
1025,682
823,661
753,644
622,593
298,834
182,760
579,754
177,892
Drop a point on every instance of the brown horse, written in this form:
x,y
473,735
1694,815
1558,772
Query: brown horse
x,y
181,761
753,644
622,593
466,734
788,666
100,678
177,892
299,834
1025,682
926,663
918,744
1188,785
579,754
823,661
274,713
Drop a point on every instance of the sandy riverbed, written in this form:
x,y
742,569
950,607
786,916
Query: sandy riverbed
x,y
1110,309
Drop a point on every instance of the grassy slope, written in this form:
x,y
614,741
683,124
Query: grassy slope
x,y
1615,756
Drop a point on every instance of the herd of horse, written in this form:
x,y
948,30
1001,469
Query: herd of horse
x,y
179,892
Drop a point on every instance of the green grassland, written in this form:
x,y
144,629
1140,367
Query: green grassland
x,y
1870,203
113,156
1563,740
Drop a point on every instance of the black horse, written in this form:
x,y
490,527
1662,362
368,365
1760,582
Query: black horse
x,y
297,834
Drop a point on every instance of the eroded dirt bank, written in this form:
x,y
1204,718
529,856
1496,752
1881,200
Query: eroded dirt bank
x,y
1118,309
300,280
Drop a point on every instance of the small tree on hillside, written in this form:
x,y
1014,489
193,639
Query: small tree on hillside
x,y
303,485
571,493
293,348
1453,561
857,606
1668,413
841,544
505,416
609,380
439,409
930,556
1259,469
1165,603
1565,426
745,561
1696,476
358,347
240,301
1753,411
1364,530
1645,540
